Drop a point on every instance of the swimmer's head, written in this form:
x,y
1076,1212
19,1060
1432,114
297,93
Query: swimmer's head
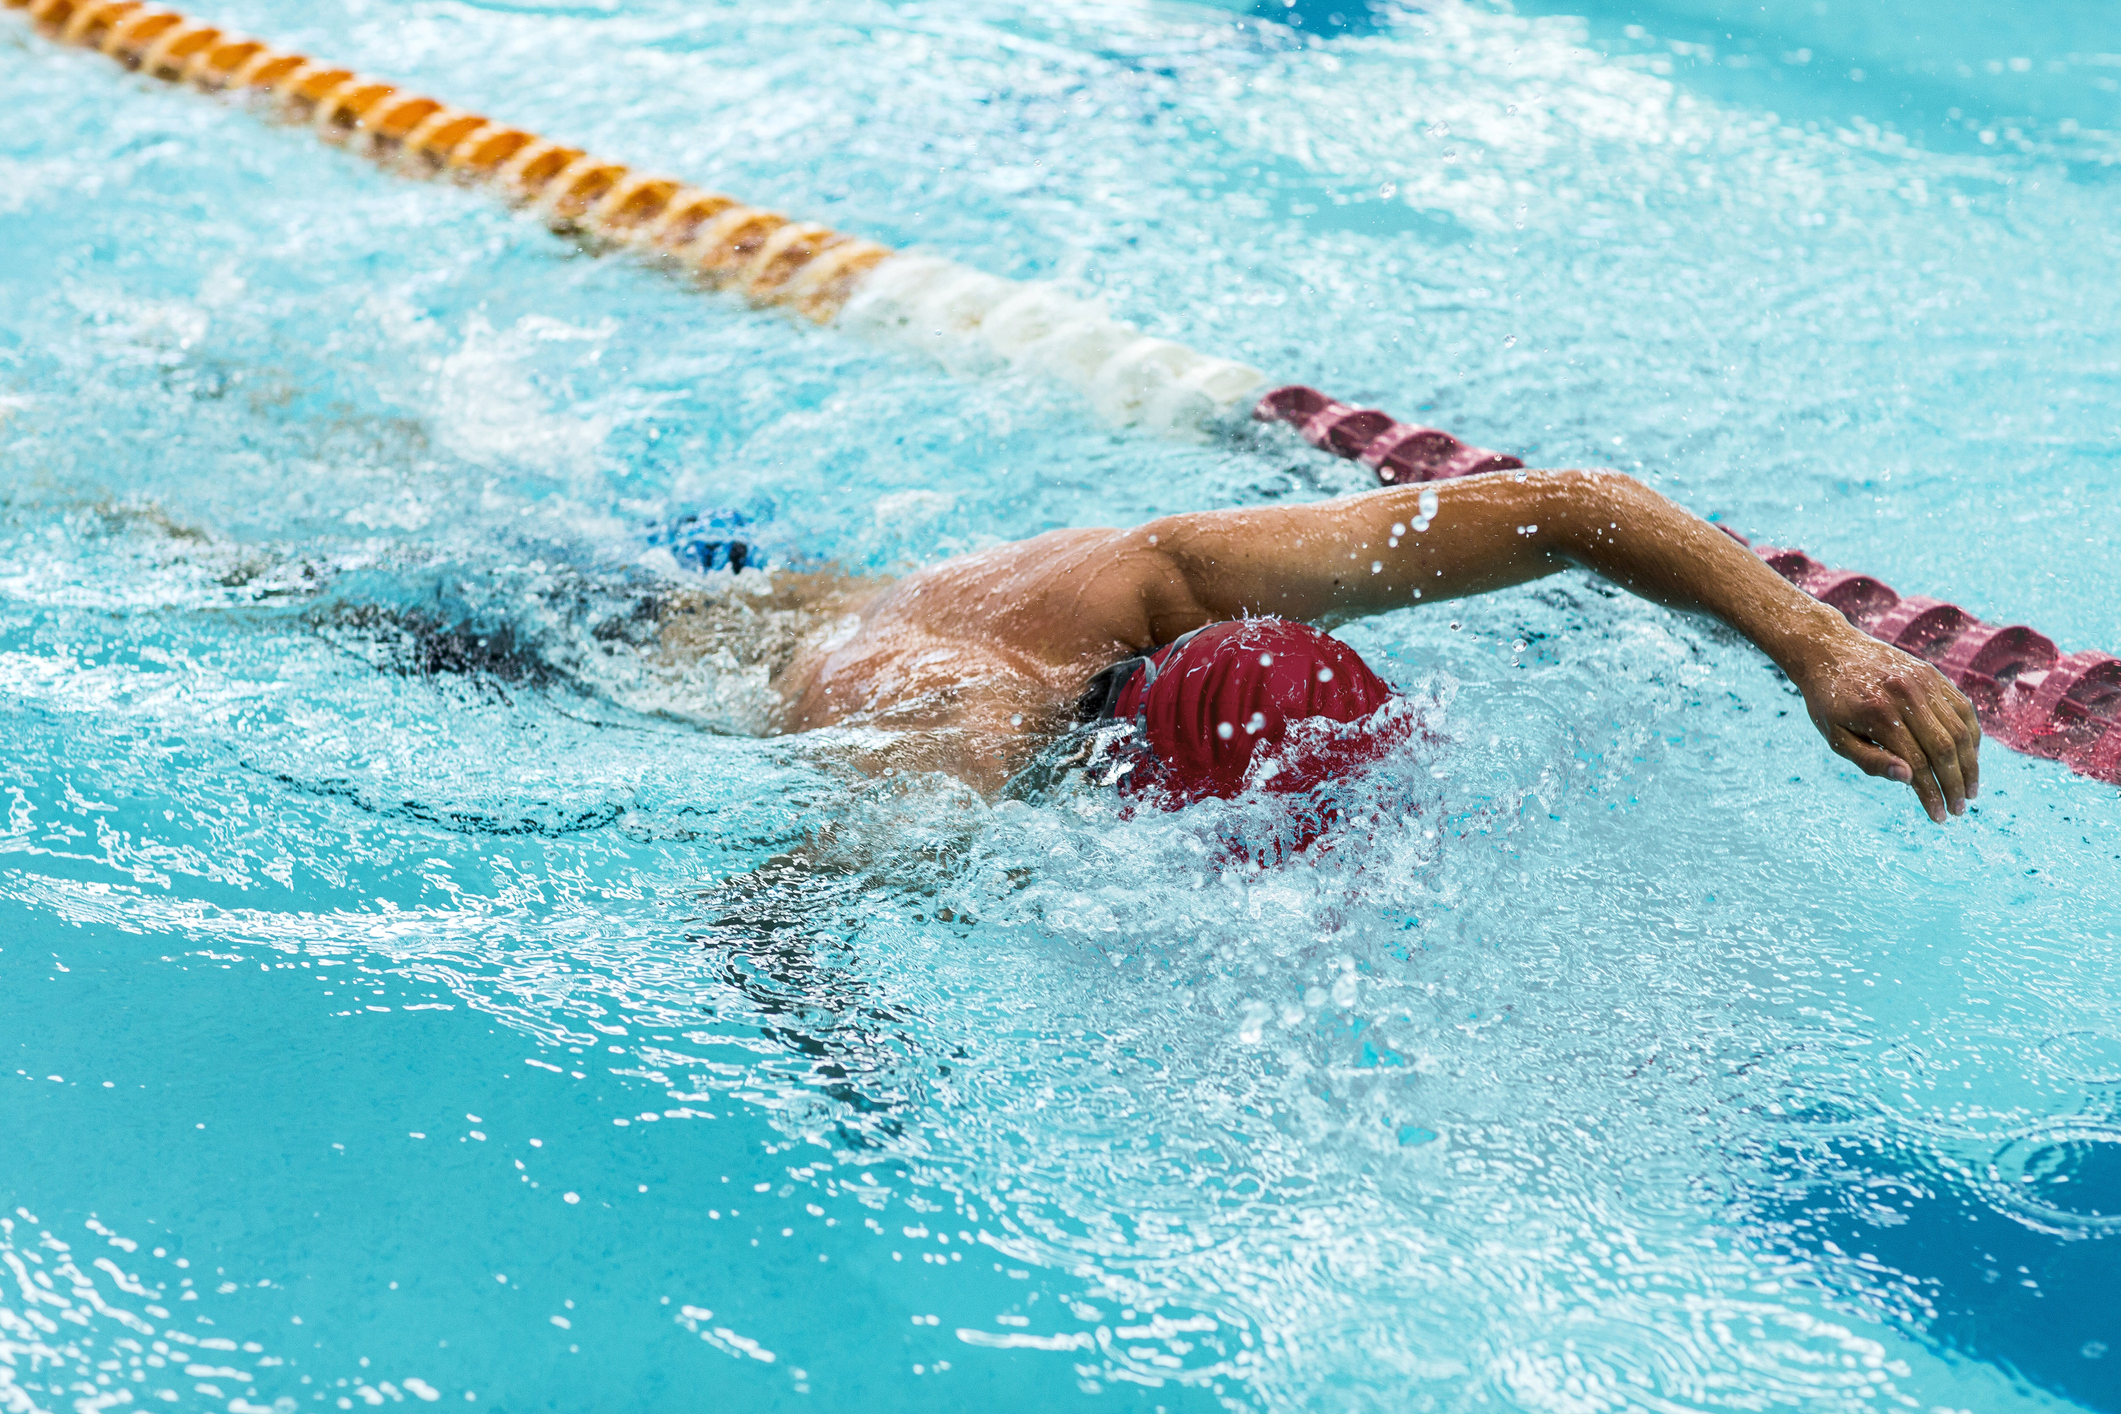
x,y
1213,704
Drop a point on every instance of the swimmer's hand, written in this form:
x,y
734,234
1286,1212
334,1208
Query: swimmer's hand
x,y
1894,716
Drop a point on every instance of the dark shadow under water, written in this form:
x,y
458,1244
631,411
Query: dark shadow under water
x,y
1940,1243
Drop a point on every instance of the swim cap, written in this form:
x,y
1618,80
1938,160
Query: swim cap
x,y
1212,701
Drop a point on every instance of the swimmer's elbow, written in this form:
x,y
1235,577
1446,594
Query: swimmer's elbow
x,y
1585,507
1592,485
1582,516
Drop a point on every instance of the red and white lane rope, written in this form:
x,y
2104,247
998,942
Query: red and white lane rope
x,y
2031,696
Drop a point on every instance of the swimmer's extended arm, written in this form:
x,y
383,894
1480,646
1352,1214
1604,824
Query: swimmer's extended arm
x,y
1889,713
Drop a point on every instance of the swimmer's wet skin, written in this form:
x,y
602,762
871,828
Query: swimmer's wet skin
x,y
987,656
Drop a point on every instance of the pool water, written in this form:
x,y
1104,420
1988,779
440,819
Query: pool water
x,y
413,988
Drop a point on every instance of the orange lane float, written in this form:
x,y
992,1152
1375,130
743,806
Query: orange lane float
x,y
812,270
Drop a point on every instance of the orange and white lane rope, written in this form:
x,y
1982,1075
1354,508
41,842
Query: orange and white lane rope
x,y
2030,696
813,270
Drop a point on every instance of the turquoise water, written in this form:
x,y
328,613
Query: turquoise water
x,y
398,1006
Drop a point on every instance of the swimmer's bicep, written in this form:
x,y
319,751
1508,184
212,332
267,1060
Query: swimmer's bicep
x,y
1362,554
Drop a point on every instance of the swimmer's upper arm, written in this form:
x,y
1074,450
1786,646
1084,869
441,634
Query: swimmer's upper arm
x,y
1336,560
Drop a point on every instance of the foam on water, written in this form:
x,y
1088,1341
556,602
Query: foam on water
x,y
399,938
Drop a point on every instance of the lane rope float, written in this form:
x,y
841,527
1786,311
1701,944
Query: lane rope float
x,y
812,270
2031,696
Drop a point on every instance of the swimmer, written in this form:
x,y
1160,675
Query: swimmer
x,y
1202,631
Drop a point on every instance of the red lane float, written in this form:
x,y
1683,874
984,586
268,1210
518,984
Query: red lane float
x,y
1398,453
2031,697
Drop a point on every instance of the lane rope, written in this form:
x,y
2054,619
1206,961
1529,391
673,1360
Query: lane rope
x,y
809,269
2031,696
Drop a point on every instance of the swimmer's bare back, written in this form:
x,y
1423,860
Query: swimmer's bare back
x,y
984,656
764,620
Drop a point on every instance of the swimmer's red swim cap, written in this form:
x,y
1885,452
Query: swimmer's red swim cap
x,y
1219,697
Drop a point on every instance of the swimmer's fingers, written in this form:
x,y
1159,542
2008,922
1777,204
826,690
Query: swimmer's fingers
x,y
1904,759
1923,711
1952,748
1939,768
1966,731
1869,757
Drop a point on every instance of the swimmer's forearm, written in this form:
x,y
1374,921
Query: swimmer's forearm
x,y
1890,714
1623,531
